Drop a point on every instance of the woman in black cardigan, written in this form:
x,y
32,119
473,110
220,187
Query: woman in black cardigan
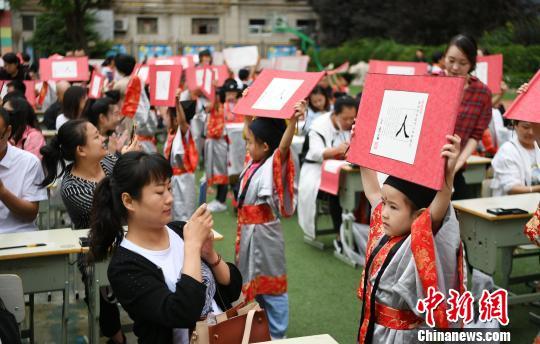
x,y
166,275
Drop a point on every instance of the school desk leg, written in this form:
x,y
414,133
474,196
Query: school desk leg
x,y
66,304
505,266
93,299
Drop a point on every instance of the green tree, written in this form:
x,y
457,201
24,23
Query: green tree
x,y
52,36
416,21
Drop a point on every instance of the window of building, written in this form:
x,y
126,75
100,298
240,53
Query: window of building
x,y
306,25
147,26
28,23
205,26
258,26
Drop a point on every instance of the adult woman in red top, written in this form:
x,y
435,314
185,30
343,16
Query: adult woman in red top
x,y
475,109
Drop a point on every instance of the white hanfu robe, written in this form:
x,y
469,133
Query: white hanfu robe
x,y
401,284
182,155
513,166
260,247
322,135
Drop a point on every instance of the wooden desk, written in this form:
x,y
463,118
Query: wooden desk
x,y
475,173
44,268
350,187
320,339
97,278
485,234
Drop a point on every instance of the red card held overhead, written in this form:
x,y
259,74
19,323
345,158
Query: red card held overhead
x,y
274,93
398,67
201,78
489,70
526,107
30,93
67,68
221,73
402,124
96,85
164,81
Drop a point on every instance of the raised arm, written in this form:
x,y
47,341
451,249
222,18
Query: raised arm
x,y
286,139
372,189
183,124
440,203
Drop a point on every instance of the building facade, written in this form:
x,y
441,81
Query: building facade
x,y
163,27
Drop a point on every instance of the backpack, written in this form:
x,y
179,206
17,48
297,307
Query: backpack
x,y
305,148
9,329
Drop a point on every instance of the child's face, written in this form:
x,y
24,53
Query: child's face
x,y
257,150
318,101
397,213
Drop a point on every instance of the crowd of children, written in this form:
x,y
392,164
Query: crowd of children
x,y
164,270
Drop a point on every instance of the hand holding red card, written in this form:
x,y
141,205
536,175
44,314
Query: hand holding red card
x,y
398,67
274,93
164,81
402,125
201,78
526,107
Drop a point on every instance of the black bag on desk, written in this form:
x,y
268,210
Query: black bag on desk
x,y
9,329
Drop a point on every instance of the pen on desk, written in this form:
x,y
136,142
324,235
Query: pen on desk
x,y
22,246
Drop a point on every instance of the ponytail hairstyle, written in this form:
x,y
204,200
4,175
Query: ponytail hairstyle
x,y
62,147
132,172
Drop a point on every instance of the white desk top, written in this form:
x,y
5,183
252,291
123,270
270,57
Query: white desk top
x,y
479,206
58,242
320,339
478,160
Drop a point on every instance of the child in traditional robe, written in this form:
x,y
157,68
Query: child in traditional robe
x,y
181,152
409,250
216,145
266,192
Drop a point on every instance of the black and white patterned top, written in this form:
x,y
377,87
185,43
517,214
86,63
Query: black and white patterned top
x,y
78,193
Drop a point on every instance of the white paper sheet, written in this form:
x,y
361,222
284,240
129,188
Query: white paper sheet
x,y
208,81
184,60
218,58
267,63
95,86
241,57
163,83
333,166
143,73
277,94
400,70
64,69
399,125
292,63
199,73
481,72
164,62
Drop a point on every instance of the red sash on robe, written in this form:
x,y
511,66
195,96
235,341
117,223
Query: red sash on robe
x,y
423,249
191,156
216,123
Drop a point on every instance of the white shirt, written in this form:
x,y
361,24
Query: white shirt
x,y
60,120
20,172
171,262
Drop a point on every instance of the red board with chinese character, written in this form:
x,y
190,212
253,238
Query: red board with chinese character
x,y
201,78
402,125
96,85
67,68
274,93
164,80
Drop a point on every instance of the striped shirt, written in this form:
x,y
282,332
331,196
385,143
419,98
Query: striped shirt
x,y
78,193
